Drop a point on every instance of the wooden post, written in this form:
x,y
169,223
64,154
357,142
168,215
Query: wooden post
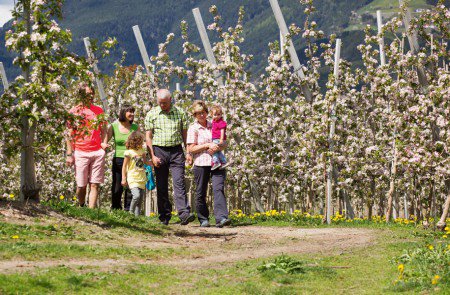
x,y
99,82
337,59
3,76
414,44
381,40
143,50
206,43
292,53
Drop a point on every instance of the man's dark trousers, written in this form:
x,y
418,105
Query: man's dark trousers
x,y
172,158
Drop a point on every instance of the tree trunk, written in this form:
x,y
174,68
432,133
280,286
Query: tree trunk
x,y
350,213
29,188
256,197
391,192
442,222
370,199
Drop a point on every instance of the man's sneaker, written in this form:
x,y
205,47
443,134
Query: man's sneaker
x,y
164,222
215,166
223,222
188,219
225,165
205,223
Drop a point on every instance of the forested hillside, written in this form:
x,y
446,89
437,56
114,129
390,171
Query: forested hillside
x,y
99,19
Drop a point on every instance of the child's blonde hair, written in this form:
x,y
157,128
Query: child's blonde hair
x,y
215,108
135,141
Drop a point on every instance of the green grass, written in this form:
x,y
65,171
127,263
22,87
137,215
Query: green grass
x,y
359,271
107,219
50,250
390,6
368,270
63,280
8,230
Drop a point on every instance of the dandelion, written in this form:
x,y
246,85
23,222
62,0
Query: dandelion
x,y
11,196
435,280
430,247
74,198
15,237
444,236
401,268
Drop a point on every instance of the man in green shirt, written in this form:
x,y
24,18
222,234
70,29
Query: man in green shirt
x,y
165,130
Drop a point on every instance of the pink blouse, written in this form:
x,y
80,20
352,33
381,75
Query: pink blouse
x,y
197,134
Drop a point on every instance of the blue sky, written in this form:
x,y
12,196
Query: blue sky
x,y
5,10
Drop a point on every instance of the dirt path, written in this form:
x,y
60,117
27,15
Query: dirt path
x,y
215,247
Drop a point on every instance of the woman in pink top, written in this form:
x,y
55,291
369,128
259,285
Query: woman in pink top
x,y
200,145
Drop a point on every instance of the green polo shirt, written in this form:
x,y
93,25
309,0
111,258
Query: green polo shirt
x,y
166,127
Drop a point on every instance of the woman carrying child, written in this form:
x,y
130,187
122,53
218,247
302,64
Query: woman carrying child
x,y
200,145
133,170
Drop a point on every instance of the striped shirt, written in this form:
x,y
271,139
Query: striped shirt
x,y
167,127
197,134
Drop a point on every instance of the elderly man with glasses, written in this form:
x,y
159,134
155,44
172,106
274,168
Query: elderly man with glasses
x,y
166,130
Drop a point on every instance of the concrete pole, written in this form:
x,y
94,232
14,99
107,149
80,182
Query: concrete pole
x,y
405,206
337,59
99,82
143,50
206,44
380,28
292,53
3,76
414,44
282,42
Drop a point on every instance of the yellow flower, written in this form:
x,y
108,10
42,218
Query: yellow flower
x,y
11,196
446,228
401,268
444,236
74,198
430,247
15,237
435,280
61,197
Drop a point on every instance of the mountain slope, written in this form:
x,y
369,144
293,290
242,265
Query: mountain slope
x,y
102,18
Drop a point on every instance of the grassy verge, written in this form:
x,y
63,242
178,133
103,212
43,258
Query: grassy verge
x,y
361,271
50,250
369,270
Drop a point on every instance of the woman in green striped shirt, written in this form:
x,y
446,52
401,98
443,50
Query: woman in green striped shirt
x,y
120,130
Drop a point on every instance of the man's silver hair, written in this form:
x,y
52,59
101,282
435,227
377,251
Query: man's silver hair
x,y
163,93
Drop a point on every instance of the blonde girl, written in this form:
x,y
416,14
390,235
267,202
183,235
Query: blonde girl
x,y
133,170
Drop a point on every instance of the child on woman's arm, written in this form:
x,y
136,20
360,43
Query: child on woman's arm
x,y
219,137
